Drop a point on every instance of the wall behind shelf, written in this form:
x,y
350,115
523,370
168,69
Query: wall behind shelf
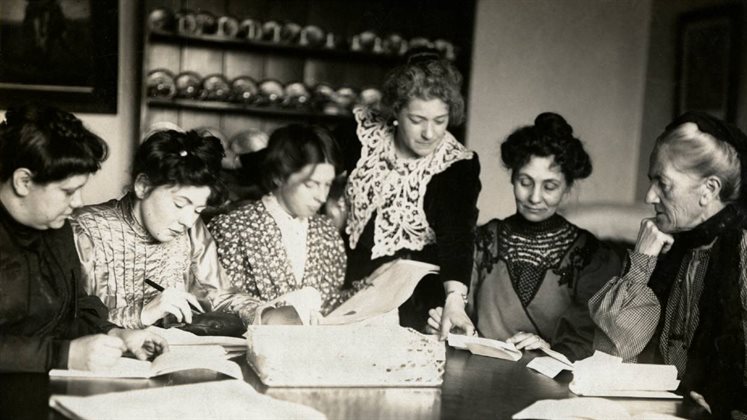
x,y
527,58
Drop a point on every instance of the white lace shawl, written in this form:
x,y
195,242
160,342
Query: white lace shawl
x,y
393,188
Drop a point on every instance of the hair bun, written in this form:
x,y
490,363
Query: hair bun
x,y
553,124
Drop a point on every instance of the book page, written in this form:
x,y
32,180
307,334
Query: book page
x,y
207,357
229,399
388,288
125,368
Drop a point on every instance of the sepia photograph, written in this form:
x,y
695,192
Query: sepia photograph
x,y
373,209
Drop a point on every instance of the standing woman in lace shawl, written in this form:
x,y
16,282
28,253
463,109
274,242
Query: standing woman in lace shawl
x,y
535,271
414,190
681,299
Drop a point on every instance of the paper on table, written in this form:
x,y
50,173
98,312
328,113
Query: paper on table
x,y
548,366
603,374
229,399
387,290
582,408
192,357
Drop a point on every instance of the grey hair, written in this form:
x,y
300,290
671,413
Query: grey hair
x,y
702,153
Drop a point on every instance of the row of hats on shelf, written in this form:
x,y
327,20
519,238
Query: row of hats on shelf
x,y
187,22
162,83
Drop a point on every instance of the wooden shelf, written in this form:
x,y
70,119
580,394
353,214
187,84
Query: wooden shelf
x,y
216,41
237,108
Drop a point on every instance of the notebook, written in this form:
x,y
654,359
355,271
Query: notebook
x,y
229,399
177,359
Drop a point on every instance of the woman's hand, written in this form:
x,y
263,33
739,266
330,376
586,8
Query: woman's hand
x,y
651,241
433,326
700,401
284,315
170,301
528,341
454,317
145,345
95,352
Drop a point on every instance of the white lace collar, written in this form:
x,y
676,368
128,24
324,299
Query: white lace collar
x,y
393,188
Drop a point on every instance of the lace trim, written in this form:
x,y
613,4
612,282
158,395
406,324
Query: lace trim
x,y
393,188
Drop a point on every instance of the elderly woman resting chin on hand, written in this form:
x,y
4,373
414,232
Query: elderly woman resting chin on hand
x,y
680,300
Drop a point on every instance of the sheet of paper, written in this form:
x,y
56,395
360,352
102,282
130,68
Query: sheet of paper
x,y
229,399
547,366
572,408
388,289
124,368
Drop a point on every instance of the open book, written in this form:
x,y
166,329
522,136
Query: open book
x,y
177,359
229,399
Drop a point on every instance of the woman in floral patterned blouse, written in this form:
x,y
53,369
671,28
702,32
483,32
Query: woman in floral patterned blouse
x,y
280,243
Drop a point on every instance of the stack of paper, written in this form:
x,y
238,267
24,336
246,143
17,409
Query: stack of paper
x,y
605,375
345,355
228,399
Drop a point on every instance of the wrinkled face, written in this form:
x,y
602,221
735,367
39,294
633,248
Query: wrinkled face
x,y
539,188
167,211
50,204
304,192
675,194
421,126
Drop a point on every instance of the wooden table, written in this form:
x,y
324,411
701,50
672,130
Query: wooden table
x,y
475,387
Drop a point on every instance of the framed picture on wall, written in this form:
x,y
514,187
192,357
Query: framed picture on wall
x,y
61,52
708,43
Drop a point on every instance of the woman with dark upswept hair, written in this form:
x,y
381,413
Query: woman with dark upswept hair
x,y
534,271
280,243
47,320
413,193
154,232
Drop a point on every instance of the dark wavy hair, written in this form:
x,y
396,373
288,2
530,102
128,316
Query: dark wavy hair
x,y
174,158
552,136
424,77
292,147
51,143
